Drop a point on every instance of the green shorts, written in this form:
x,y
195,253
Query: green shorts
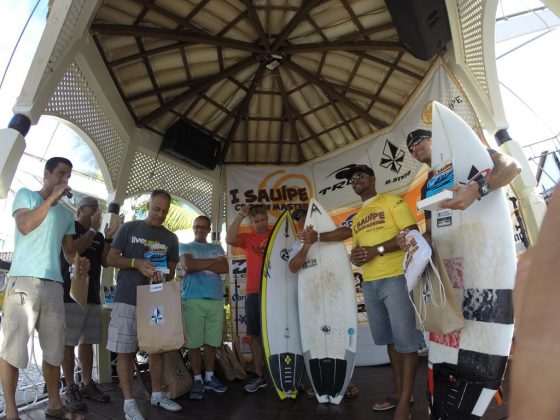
x,y
204,321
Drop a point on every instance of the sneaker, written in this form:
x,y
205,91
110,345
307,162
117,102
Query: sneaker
x,y
95,392
131,412
215,385
165,403
73,399
255,383
197,390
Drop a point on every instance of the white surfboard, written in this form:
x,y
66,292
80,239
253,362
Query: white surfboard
x,y
327,312
279,311
466,367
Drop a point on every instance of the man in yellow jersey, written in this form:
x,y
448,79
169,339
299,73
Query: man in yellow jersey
x,y
389,309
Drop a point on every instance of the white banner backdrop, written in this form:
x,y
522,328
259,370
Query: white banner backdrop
x,y
396,171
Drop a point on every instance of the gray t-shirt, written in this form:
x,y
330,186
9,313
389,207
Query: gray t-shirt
x,y
138,239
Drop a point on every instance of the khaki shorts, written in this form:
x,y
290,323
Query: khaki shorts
x,y
82,327
32,303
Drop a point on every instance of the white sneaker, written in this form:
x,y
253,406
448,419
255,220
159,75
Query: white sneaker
x,y
165,403
131,412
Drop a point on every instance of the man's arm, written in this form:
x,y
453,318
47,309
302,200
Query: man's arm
x,y
339,234
217,265
233,229
28,220
69,248
505,169
109,232
144,267
362,254
309,237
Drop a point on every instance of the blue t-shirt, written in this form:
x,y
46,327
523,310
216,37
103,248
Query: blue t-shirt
x,y
202,284
37,254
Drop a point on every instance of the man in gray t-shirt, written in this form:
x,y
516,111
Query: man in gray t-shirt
x,y
142,250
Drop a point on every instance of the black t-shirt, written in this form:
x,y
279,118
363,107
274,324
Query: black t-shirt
x,y
93,254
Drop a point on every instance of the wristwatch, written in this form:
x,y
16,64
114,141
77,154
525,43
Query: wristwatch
x,y
380,250
483,186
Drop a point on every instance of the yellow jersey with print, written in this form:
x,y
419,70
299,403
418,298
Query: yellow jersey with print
x,y
380,219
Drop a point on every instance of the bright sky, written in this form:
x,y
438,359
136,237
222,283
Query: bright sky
x,y
529,72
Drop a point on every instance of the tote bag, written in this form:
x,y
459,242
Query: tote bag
x,y
159,317
435,301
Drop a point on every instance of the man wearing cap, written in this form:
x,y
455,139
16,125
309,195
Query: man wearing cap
x,y
389,309
419,143
84,327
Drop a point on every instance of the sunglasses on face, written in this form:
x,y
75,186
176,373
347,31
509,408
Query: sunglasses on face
x,y
357,177
416,143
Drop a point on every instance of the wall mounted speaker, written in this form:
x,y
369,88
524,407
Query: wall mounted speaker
x,y
189,144
422,25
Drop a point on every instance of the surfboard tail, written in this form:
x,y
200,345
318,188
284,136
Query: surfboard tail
x,y
286,370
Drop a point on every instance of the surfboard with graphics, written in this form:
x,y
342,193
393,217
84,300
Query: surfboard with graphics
x,y
466,367
327,312
279,312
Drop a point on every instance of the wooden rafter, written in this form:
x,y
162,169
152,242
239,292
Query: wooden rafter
x,y
194,90
285,101
298,17
149,69
149,5
242,110
389,64
256,22
385,80
343,46
147,53
173,34
333,93
370,31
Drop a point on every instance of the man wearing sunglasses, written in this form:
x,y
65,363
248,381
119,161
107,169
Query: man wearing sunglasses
x,y
389,309
203,305
83,328
419,143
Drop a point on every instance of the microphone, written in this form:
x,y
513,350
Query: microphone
x,y
68,194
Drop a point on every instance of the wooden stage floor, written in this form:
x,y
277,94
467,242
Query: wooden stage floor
x,y
374,382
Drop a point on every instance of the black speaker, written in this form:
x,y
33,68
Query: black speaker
x,y
422,25
186,142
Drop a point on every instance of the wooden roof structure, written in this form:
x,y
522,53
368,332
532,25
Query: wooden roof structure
x,y
274,81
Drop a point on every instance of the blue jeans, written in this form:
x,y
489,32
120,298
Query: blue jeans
x,y
390,314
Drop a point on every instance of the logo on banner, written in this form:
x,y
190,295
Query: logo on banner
x,y
339,184
393,157
277,191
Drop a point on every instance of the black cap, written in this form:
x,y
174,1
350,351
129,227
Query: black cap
x,y
415,135
352,169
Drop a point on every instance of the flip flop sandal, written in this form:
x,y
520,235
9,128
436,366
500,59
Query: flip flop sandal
x,y
351,392
390,403
387,404
63,413
309,393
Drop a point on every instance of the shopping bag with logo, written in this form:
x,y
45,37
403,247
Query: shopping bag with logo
x,y
159,317
435,300
177,380
416,259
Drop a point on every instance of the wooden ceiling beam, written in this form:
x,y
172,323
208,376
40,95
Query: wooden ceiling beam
x,y
242,111
231,24
388,64
367,95
384,81
287,110
343,46
333,93
256,22
147,53
149,69
149,4
365,32
300,15
196,89
173,34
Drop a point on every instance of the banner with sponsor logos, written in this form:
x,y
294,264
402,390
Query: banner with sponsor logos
x,y
396,171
